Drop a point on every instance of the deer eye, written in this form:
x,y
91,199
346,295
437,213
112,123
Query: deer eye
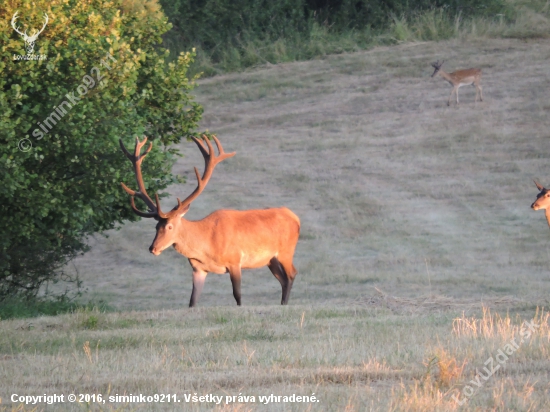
x,y
169,227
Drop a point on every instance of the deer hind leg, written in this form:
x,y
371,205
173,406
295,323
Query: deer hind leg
x,y
285,272
199,277
235,275
478,89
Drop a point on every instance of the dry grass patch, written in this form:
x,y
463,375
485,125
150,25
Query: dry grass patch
x,y
452,375
352,357
436,302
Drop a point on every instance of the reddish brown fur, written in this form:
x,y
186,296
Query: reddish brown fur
x,y
543,201
228,238
459,78
226,241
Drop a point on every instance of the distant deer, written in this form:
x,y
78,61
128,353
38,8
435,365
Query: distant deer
x,y
543,201
460,78
226,240
29,40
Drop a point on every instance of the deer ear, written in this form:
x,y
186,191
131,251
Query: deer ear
x,y
539,186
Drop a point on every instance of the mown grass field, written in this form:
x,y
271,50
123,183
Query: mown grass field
x,y
415,216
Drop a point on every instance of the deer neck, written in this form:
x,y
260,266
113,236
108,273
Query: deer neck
x,y
446,76
188,238
547,212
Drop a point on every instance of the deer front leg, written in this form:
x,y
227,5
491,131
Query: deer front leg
x,y
235,275
199,276
455,89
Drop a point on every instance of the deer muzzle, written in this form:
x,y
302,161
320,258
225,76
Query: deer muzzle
x,y
154,250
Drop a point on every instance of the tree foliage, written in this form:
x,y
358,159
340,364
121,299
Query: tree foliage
x,y
73,107
213,25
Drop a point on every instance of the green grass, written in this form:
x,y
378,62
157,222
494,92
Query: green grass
x,y
524,19
20,307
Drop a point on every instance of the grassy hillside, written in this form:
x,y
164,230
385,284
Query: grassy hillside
x,y
414,216
394,189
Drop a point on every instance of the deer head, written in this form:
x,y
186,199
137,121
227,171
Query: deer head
x,y
437,67
169,223
543,198
543,201
29,40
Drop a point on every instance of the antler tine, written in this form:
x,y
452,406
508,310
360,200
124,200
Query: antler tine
x,y
136,160
210,162
13,20
159,211
200,144
128,155
139,145
222,154
135,209
35,35
44,26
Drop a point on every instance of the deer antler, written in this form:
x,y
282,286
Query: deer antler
x,y
35,36
210,162
437,67
136,160
13,20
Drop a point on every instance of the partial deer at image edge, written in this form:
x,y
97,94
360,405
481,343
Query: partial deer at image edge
x,y
543,201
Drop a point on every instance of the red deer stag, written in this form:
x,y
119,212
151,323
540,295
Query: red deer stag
x,y
226,240
460,78
543,201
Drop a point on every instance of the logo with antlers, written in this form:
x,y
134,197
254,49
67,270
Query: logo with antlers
x,y
29,40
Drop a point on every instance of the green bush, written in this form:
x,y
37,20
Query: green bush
x,y
66,186
226,31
